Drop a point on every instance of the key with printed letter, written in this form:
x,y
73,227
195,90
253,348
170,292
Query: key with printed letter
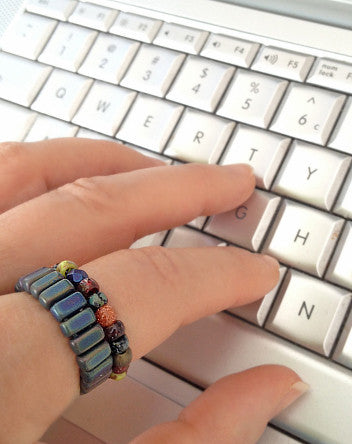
x,y
246,225
180,38
200,83
149,122
199,137
311,174
252,98
308,113
309,312
262,150
303,237
135,27
93,16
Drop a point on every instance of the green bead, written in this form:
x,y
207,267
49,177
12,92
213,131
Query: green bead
x,y
97,300
122,359
65,266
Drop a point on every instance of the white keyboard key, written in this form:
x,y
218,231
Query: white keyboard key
x,y
200,83
183,237
135,27
49,128
62,94
199,137
154,239
180,38
109,58
312,174
152,70
20,79
247,224
258,311
230,50
318,417
308,113
149,123
104,108
58,9
340,268
332,74
309,312
15,122
88,134
282,63
341,138
343,205
93,16
252,98
303,237
262,150
68,46
273,436
27,35
343,351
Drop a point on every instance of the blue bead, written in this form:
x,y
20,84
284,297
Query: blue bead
x,y
78,322
103,369
94,356
87,340
26,281
46,281
55,293
67,306
75,276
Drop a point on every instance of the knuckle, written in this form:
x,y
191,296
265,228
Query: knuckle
x,y
161,262
10,151
88,191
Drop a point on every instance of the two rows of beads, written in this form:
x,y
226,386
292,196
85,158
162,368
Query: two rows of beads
x,y
105,315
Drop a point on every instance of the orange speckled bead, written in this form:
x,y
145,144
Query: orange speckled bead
x,y
106,315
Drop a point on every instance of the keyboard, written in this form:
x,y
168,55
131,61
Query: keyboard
x,y
185,94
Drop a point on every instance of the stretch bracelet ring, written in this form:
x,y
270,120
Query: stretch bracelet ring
x,y
95,334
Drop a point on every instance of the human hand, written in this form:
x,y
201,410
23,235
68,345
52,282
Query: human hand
x,y
88,201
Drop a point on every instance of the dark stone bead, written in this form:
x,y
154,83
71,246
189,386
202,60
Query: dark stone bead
x,y
87,287
68,306
46,281
78,322
87,340
26,281
97,300
94,357
55,293
103,369
114,331
120,345
76,276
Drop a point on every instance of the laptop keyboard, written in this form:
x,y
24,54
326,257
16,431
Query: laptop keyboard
x,y
188,95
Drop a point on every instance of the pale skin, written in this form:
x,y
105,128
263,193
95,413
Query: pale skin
x,y
88,201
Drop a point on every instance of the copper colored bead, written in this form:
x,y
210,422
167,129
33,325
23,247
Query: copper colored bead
x,y
87,287
106,315
119,370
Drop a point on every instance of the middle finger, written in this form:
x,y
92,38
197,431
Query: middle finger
x,y
95,216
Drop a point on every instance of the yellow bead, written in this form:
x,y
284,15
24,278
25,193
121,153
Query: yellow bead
x,y
118,377
65,266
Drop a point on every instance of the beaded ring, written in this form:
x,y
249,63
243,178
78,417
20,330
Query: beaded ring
x,y
96,336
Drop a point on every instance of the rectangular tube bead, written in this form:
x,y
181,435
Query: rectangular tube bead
x,y
68,306
46,281
89,386
26,281
78,322
55,293
94,357
99,372
87,340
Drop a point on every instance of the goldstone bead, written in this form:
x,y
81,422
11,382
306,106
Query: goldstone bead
x,y
76,275
65,266
120,345
46,281
106,315
118,377
114,331
26,281
87,287
122,359
97,300
55,293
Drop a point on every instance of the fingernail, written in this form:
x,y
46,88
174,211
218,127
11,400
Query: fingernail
x,y
296,390
240,168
